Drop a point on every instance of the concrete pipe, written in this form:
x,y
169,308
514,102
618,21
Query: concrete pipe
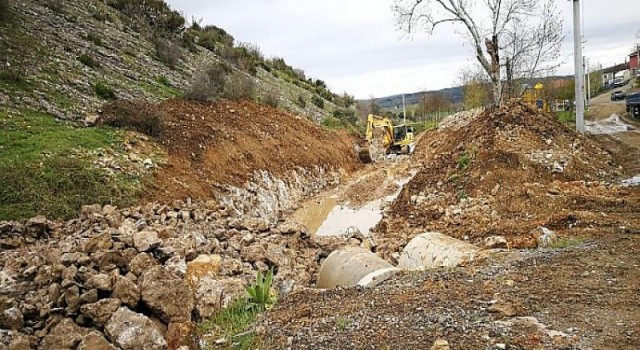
x,y
351,266
432,249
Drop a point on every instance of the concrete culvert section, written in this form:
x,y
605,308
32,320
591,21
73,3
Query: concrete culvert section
x,y
433,249
352,266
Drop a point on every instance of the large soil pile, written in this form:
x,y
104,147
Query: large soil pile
x,y
504,173
227,142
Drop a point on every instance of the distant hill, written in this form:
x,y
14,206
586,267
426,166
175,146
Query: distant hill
x,y
454,94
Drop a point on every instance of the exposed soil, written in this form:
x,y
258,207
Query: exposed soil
x,y
499,173
587,292
506,173
227,142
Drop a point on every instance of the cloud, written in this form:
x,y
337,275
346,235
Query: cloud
x,y
354,47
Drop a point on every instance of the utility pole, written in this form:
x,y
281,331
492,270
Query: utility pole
x,y
404,111
588,78
579,74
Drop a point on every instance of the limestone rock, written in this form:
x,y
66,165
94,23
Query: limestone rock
x,y
133,331
495,242
145,241
95,341
65,335
100,282
214,294
12,318
100,311
12,340
440,344
127,291
202,266
168,296
546,238
182,336
141,263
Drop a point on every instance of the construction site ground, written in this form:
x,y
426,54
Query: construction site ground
x,y
501,173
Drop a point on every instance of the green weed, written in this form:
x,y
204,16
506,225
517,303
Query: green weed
x,y
342,323
260,296
88,60
232,323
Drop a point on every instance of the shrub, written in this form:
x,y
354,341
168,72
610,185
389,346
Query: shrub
x,y
318,101
94,38
271,99
135,115
208,84
240,86
331,122
260,296
347,115
89,61
103,91
5,11
164,81
56,6
168,52
301,102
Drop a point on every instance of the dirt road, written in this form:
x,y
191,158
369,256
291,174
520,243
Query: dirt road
x,y
602,107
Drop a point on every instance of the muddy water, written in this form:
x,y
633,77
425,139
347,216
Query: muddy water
x,y
634,181
331,216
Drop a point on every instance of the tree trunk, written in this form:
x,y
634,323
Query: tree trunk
x,y
492,50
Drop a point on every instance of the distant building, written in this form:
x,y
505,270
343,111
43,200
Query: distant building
x,y
609,74
633,64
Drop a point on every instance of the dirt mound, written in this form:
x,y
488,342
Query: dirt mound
x,y
225,143
505,172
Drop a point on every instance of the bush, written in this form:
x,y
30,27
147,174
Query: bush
x,y
168,52
136,115
271,99
164,81
94,38
89,61
318,101
5,11
301,102
331,122
103,91
56,6
239,87
347,115
208,84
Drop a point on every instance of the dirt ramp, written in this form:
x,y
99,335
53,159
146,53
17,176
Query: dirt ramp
x,y
227,143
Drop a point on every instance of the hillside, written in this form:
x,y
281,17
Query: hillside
x,y
66,58
453,94
64,63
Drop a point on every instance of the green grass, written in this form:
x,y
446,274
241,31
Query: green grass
x,y
423,126
228,323
43,169
566,116
566,242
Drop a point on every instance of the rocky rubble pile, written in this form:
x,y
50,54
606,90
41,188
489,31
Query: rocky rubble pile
x,y
503,173
139,277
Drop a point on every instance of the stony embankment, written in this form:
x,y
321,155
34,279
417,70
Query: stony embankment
x,y
139,277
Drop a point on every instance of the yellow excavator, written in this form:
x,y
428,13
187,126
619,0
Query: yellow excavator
x,y
383,138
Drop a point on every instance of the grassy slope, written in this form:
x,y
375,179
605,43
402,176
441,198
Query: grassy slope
x,y
45,167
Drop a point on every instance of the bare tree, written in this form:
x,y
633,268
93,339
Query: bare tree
x,y
516,38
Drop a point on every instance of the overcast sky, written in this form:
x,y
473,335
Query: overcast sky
x,y
354,47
